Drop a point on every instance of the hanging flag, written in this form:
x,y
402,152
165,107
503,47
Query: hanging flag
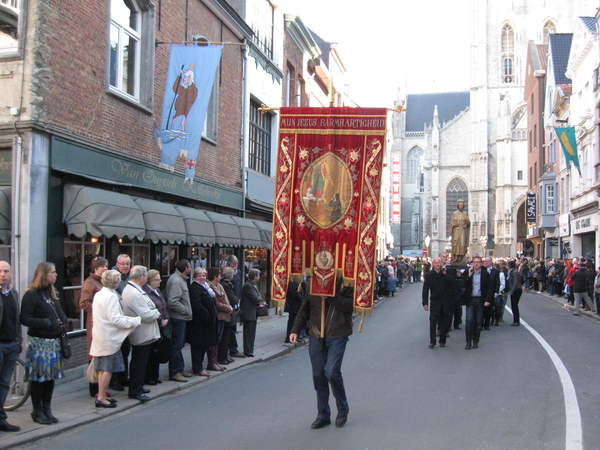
x,y
327,200
192,70
568,140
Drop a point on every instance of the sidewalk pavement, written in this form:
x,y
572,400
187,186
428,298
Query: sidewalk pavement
x,y
74,407
562,302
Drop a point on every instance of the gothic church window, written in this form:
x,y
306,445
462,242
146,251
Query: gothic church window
x,y
508,55
456,190
549,28
413,162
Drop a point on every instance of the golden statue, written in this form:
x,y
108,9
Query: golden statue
x,y
460,227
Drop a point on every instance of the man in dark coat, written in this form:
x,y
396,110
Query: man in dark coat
x,y
437,284
477,294
580,283
326,360
489,311
10,339
251,298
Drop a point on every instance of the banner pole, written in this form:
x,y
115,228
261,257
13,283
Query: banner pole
x,y
322,322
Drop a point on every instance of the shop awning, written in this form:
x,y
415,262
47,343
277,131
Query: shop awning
x,y
227,232
266,232
163,222
100,212
199,228
249,233
5,214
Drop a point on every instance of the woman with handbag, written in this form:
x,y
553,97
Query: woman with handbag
x,y
224,311
42,313
111,327
162,346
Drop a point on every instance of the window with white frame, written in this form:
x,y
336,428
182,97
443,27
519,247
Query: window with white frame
x,y
262,26
10,11
508,55
131,50
550,201
260,140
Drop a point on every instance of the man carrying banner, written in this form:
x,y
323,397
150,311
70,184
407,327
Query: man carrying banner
x,y
326,357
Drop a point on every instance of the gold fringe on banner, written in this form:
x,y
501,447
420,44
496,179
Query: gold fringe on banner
x,y
362,312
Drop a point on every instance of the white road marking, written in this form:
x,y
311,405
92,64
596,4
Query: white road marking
x,y
573,429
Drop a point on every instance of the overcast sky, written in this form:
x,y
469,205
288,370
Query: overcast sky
x,y
423,44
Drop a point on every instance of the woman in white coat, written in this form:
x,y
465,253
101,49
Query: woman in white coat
x,y
110,329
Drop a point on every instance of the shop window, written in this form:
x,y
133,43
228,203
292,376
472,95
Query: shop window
x,y
256,258
224,253
138,252
200,257
78,255
168,260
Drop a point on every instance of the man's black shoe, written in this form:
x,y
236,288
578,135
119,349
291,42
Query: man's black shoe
x,y
431,345
475,345
468,346
146,391
341,419
249,355
486,328
5,426
142,398
457,327
320,423
442,345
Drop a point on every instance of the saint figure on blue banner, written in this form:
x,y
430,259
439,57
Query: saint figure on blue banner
x,y
190,80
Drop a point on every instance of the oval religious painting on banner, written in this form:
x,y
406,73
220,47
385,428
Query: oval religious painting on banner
x,y
326,190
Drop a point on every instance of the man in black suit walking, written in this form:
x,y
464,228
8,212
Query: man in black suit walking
x,y
437,284
477,294
489,311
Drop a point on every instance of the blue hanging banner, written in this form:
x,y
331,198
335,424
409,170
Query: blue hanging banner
x,y
190,80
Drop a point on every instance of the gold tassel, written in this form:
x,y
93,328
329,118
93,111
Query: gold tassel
x,y
360,325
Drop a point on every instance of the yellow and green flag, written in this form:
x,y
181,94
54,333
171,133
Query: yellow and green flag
x,y
568,140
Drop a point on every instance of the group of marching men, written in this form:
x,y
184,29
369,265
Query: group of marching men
x,y
482,288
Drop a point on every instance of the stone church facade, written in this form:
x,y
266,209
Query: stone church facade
x,y
476,149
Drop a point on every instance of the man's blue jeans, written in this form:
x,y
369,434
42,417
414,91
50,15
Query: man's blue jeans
x,y
474,319
327,370
176,363
8,357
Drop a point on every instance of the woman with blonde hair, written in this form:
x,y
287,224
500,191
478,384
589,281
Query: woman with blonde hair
x,y
111,327
42,313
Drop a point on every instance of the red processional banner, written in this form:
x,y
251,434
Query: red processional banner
x,y
327,200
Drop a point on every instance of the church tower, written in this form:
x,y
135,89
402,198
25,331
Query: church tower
x,y
500,33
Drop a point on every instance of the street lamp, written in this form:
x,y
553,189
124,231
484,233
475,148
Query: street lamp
x,y
427,242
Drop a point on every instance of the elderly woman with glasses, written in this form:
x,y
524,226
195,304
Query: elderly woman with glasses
x,y
152,288
111,327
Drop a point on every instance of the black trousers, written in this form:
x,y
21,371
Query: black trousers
x,y
249,336
137,368
439,320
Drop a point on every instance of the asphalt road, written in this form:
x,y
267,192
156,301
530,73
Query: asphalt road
x,y
508,394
